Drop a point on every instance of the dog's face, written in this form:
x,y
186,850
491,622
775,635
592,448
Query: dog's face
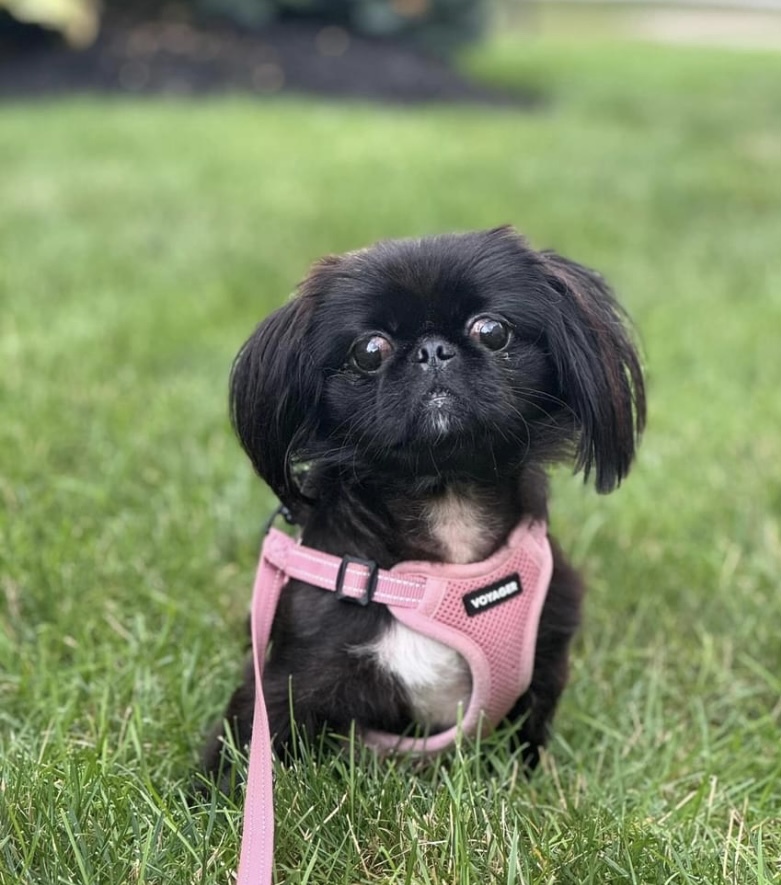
x,y
428,363
467,353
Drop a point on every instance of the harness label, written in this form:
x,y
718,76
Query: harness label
x,y
487,597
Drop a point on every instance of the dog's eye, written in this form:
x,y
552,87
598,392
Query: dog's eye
x,y
369,353
492,334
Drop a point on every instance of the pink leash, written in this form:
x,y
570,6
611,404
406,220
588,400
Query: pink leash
x,y
488,611
257,844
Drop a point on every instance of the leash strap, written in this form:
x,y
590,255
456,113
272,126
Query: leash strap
x,y
257,842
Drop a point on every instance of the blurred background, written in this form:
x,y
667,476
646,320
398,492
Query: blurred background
x,y
168,171
337,47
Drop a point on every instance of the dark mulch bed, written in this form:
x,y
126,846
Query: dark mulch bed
x,y
179,58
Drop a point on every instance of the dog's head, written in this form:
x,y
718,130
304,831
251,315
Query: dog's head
x,y
466,353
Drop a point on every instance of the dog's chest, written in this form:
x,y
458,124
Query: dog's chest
x,y
458,525
437,679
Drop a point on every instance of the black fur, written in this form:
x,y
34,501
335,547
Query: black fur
x,y
359,458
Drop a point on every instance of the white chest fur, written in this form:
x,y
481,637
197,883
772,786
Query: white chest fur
x,y
456,522
436,678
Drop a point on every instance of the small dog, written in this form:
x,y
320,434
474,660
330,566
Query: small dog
x,y
404,405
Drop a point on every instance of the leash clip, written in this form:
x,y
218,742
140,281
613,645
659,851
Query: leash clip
x,y
283,511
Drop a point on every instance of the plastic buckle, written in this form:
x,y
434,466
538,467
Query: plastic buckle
x,y
371,582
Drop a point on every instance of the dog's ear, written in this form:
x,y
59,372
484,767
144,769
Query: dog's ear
x,y
275,388
599,370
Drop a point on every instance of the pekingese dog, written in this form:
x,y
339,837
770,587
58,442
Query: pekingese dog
x,y
405,405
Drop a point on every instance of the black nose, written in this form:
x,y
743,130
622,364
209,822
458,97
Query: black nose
x,y
434,352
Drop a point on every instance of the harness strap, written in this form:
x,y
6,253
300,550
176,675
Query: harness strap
x,y
350,577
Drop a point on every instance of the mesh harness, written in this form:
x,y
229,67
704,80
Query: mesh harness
x,y
487,611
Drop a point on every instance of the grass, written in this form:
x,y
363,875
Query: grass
x,y
141,242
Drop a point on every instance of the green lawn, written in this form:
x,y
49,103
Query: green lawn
x,y
140,242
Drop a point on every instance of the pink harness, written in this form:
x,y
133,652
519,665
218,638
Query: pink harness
x,y
487,611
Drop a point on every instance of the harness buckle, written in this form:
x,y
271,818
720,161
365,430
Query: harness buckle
x,y
371,581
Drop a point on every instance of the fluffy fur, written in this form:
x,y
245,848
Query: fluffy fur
x,y
434,449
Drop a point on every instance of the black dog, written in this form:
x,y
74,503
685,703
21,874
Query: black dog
x,y
404,405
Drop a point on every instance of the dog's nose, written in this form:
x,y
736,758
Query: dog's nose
x,y
433,352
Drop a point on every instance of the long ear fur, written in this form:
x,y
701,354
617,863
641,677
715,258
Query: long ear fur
x,y
270,387
599,370
275,388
